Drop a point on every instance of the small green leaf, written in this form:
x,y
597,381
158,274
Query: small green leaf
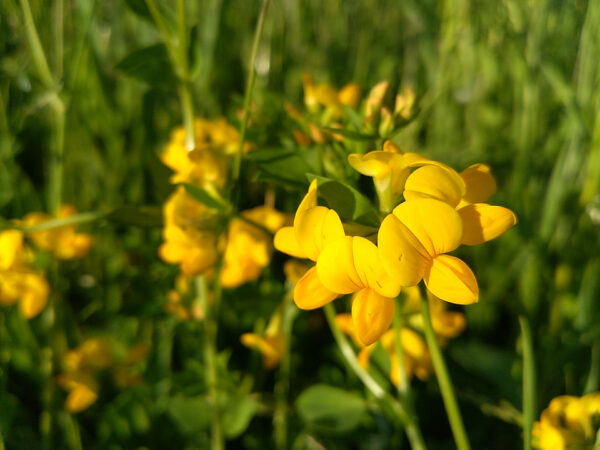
x,y
330,409
350,204
239,411
191,414
204,197
285,167
140,8
150,65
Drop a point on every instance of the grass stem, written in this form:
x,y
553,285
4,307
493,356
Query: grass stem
x,y
528,382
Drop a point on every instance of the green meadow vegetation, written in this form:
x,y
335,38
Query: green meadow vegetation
x,y
116,332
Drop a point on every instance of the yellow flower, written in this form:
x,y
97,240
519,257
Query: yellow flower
x,y
466,192
63,242
404,105
93,354
568,422
271,345
82,388
189,240
18,281
413,242
248,248
390,169
314,226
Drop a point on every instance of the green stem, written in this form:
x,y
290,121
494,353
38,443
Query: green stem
x,y
37,51
283,379
237,163
187,104
164,30
412,430
210,355
185,88
454,416
591,385
528,382
398,324
57,157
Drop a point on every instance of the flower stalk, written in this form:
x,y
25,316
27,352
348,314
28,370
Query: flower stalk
x,y
454,416
529,410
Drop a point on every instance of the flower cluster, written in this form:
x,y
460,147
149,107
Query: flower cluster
x,y
191,234
442,210
19,281
82,365
569,422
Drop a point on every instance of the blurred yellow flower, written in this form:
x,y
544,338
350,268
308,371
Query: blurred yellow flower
x,y
413,242
325,95
82,388
294,270
19,283
188,232
64,242
248,248
568,422
271,345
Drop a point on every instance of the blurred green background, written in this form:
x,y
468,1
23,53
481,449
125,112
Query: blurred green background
x,y
514,84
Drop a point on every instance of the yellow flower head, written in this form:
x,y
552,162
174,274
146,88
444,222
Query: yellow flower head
x,y
188,238
63,242
271,345
568,422
248,248
413,242
82,388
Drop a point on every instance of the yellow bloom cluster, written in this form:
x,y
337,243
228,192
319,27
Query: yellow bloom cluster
x,y
80,366
191,239
441,211
417,359
19,282
63,242
271,345
569,422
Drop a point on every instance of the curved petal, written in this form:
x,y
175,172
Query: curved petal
x,y
335,267
372,164
310,293
309,200
480,183
372,315
370,268
401,253
435,182
450,279
483,222
285,241
315,228
434,223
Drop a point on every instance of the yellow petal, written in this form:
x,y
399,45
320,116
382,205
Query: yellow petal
x,y
370,270
315,228
483,222
349,95
372,315
450,279
335,267
372,164
434,223
11,244
309,200
402,255
479,182
435,182
285,241
309,292
35,295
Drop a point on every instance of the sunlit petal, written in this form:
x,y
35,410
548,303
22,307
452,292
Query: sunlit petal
x,y
483,222
315,228
372,315
480,183
285,241
450,279
335,267
369,268
435,182
310,293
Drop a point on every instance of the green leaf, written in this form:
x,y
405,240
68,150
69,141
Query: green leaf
x,y
150,65
330,409
140,8
191,414
239,411
285,167
350,204
204,197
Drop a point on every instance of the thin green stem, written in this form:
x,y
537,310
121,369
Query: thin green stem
x,y
185,88
57,156
37,51
164,30
283,378
591,385
528,382
210,356
237,163
412,430
454,416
